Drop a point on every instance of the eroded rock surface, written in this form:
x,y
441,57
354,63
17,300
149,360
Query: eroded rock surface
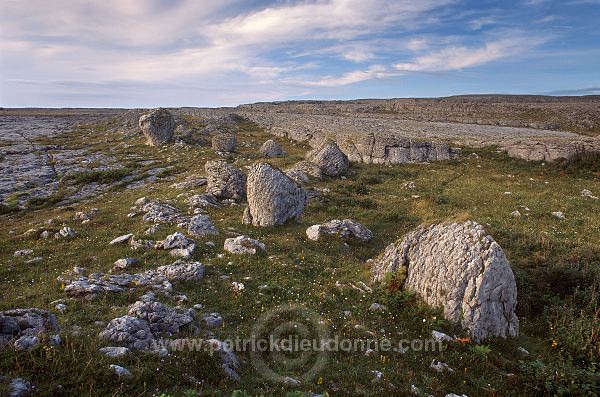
x,y
158,127
19,323
458,267
243,245
329,158
224,143
272,149
225,180
273,197
347,229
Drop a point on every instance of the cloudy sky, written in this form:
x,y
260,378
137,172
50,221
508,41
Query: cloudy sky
x,y
143,53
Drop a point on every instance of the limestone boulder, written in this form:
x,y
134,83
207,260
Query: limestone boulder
x,y
224,143
330,159
273,197
225,180
460,268
347,229
272,149
157,127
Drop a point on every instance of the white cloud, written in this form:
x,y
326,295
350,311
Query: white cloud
x,y
460,57
356,76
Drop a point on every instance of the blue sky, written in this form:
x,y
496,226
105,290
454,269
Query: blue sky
x,y
146,53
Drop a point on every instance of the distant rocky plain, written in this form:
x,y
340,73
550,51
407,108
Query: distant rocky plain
x,y
383,131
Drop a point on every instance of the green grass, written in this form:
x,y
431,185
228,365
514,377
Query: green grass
x,y
556,264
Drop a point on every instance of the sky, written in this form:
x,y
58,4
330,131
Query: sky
x,y
148,53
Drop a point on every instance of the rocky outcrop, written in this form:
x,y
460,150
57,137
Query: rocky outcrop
x,y
243,245
22,323
224,143
158,127
329,158
202,225
225,180
460,268
273,198
272,149
348,229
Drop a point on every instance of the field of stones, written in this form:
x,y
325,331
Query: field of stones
x,y
136,244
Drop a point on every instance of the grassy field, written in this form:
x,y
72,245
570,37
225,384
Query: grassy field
x,y
556,263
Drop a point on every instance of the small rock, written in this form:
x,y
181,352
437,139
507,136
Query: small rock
x,y
523,351
27,342
115,352
271,149
377,307
121,371
124,263
65,232
34,261
243,245
439,366
237,287
440,336
61,307
378,375
559,214
289,381
124,239
515,214
24,252
587,193
19,387
55,340
213,320
202,225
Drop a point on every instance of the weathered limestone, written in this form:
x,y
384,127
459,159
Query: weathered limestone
x,y
243,245
460,268
158,127
273,197
225,143
20,323
272,149
225,180
329,158
348,229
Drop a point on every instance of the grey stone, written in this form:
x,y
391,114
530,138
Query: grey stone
x,y
272,149
458,267
124,239
273,198
19,387
125,263
115,352
225,180
347,229
203,201
243,245
34,261
202,225
330,159
25,252
157,127
212,320
27,342
121,371
224,142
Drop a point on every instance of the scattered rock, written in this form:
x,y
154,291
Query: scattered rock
x,y
61,307
157,127
459,267
559,215
347,229
330,159
17,323
237,287
587,193
289,381
224,143
202,225
439,366
121,371
377,307
124,239
515,214
34,261
190,183
302,171
65,232
229,362
243,245
25,252
212,320
203,201
273,197
19,387
124,263
441,337
115,352
27,342
272,149
523,351
225,180
141,244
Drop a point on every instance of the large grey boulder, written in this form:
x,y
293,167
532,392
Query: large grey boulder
x,y
272,149
348,229
224,142
158,126
303,170
225,180
273,197
330,159
460,268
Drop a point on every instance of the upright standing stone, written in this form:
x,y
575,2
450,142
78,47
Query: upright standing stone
x,y
158,126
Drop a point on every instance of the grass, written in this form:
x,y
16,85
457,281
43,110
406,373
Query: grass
x,y
556,264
